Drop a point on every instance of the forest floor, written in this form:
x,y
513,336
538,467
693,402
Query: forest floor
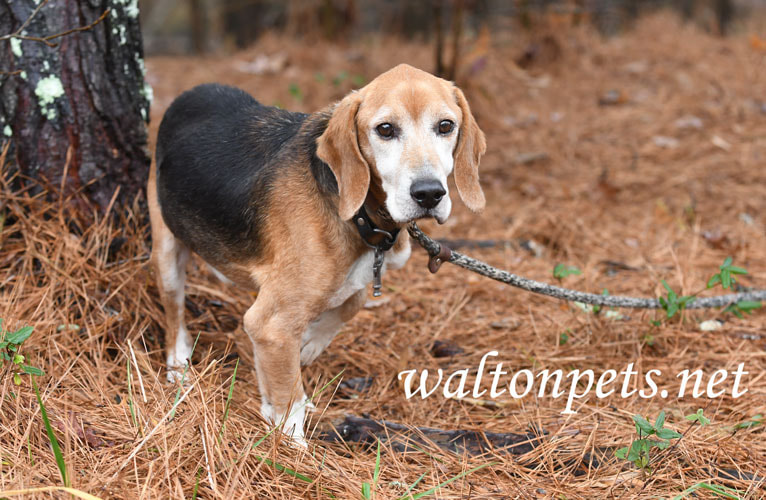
x,y
636,159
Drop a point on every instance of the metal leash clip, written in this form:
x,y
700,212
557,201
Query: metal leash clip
x,y
436,261
377,262
368,231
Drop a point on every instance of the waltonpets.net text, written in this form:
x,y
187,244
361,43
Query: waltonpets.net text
x,y
575,384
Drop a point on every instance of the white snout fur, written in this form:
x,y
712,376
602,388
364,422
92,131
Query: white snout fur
x,y
417,151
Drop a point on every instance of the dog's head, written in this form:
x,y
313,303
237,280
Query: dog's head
x,y
400,137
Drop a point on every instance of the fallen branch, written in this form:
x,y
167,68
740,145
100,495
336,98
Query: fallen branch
x,y
434,248
402,438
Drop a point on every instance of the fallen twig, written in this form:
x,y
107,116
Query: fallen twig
x,y
434,248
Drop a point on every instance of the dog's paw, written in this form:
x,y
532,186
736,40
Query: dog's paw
x,y
176,375
292,424
298,442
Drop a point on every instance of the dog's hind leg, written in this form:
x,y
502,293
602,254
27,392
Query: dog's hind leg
x,y
170,257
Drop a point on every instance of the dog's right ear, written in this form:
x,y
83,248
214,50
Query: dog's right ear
x,y
338,146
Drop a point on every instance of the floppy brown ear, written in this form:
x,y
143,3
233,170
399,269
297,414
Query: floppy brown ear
x,y
471,144
338,146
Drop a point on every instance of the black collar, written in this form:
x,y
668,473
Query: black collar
x,y
370,232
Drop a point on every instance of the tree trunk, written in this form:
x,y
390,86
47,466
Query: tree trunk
x,y
198,28
77,110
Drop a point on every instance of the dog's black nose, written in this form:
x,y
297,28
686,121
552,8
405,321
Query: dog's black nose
x,y
427,193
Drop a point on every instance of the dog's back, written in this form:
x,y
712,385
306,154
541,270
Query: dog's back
x,y
217,150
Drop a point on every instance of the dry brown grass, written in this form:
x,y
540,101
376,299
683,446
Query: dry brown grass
x,y
605,192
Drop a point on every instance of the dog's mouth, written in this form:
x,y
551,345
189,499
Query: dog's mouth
x,y
415,214
428,214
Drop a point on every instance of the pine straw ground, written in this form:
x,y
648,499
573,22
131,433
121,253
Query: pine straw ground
x,y
605,191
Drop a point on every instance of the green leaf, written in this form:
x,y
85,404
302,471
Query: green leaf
x,y
668,434
672,309
19,335
295,91
660,422
698,417
663,444
286,470
31,370
727,262
725,279
622,453
737,270
714,280
51,435
756,420
17,379
228,401
733,309
196,487
686,300
635,450
366,493
563,338
667,287
723,491
643,425
749,305
445,483
358,80
376,475
561,271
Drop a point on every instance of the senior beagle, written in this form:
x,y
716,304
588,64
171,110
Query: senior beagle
x,y
304,208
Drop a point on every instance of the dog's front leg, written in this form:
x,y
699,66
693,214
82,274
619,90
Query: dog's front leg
x,y
275,325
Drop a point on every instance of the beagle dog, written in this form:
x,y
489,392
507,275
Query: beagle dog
x,y
304,208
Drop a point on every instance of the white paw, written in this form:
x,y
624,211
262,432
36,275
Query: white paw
x,y
292,425
298,442
179,357
175,375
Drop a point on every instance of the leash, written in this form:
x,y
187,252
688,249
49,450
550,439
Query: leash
x,y
441,253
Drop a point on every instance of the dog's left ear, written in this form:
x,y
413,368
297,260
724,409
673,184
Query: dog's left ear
x,y
471,144
338,146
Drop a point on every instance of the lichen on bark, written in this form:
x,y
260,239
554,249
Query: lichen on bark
x,y
82,104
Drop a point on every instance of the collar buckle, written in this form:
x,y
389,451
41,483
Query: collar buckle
x,y
368,231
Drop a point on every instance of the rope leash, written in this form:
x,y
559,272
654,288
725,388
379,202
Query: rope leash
x,y
441,253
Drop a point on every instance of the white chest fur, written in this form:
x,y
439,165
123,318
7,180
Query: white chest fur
x,y
360,273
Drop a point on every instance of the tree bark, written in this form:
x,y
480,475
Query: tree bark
x,y
76,113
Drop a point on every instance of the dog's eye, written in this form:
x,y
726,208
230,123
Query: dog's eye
x,y
446,126
385,130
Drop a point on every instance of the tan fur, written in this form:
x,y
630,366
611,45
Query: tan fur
x,y
288,301
338,147
169,257
471,145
